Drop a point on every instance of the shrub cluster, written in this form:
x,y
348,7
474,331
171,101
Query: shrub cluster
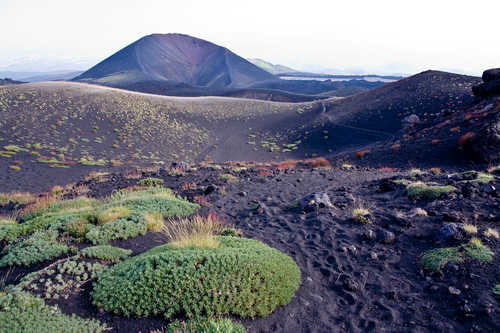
x,y
118,229
106,252
22,312
242,277
38,247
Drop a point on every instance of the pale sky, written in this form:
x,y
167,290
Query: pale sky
x,y
380,37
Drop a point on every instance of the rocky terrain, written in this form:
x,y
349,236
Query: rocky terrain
x,y
397,231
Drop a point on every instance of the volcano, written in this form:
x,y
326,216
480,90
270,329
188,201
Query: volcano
x,y
176,60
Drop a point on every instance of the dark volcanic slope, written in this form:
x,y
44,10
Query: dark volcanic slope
x,y
176,58
423,94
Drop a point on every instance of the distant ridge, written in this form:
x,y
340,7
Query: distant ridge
x,y
176,58
271,68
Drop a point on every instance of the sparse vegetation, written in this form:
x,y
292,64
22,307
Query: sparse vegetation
x,y
154,221
492,233
150,181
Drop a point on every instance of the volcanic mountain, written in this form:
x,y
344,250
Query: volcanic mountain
x,y
177,60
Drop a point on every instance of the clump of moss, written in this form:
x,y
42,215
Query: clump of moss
x,y
242,277
436,259
420,190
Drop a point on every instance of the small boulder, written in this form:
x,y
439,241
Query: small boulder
x,y
450,231
210,189
410,120
181,165
454,291
491,74
386,237
315,201
485,145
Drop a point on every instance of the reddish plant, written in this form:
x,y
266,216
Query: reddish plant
x,y
435,142
319,162
286,165
362,153
464,139
202,200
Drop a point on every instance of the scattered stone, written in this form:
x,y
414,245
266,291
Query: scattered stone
x,y
315,201
490,189
386,237
316,297
452,216
242,194
370,235
411,120
210,189
351,285
454,291
181,165
373,255
353,249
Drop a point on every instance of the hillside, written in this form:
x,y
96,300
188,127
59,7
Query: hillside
x,y
175,58
271,68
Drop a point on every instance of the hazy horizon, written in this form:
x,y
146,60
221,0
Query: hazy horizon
x,y
384,37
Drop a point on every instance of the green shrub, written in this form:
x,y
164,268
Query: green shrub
x,y
106,252
206,325
242,277
38,247
150,181
118,229
421,190
21,312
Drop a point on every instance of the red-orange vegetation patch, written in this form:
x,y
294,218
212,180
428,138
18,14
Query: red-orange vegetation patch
x,y
388,169
286,165
464,139
263,172
202,200
362,153
444,123
435,142
455,129
319,162
396,146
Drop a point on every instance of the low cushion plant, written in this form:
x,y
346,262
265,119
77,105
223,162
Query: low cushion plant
x,y
38,247
22,312
242,277
106,252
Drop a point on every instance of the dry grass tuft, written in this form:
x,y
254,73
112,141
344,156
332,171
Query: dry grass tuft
x,y
491,233
361,215
470,229
112,214
154,221
196,231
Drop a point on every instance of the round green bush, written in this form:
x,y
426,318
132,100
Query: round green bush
x,y
242,277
